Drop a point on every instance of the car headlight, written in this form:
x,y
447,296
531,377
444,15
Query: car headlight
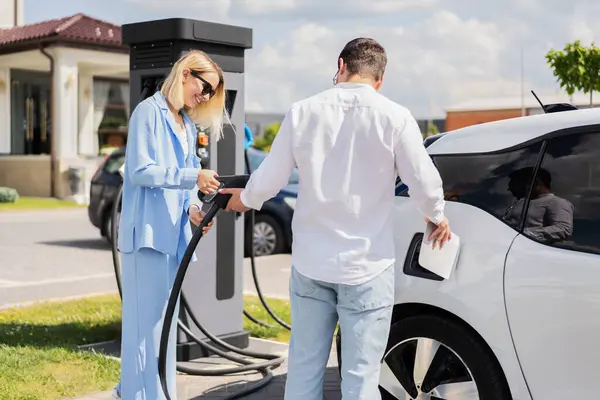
x,y
290,201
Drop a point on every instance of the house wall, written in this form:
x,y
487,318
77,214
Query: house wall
x,y
460,119
5,110
29,175
73,134
9,16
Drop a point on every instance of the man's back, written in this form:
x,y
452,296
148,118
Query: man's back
x,y
344,142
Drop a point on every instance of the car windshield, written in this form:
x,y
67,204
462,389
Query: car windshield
x,y
256,157
114,162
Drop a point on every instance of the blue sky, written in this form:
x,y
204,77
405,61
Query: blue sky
x,y
440,52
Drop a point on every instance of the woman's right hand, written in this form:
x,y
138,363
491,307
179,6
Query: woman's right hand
x,y
207,182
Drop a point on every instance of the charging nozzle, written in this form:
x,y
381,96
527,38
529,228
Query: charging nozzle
x,y
229,182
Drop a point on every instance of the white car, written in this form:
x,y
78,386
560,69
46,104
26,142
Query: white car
x,y
520,316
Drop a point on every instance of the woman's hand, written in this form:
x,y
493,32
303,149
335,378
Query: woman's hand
x,y
207,182
196,216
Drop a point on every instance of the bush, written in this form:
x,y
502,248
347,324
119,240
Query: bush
x,y
8,195
264,143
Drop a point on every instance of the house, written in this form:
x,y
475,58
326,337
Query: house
x,y
488,109
64,98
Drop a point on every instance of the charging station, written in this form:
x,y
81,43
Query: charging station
x,y
214,284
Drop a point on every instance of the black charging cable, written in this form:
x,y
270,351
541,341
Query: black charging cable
x,y
265,368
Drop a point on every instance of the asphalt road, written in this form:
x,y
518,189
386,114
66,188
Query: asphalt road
x,y
59,254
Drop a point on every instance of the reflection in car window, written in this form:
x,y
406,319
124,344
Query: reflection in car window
x,y
549,217
482,180
565,211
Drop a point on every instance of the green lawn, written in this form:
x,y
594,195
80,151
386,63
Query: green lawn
x,y
38,355
35,203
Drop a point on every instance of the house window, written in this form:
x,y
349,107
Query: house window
x,y
111,113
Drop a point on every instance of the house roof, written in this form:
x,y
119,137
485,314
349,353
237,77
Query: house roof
x,y
507,133
514,102
78,28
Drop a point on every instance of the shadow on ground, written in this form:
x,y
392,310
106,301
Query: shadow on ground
x,y
89,244
68,335
274,390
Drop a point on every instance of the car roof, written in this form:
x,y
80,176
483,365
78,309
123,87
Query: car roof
x,y
499,135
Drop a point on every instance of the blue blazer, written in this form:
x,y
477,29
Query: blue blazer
x,y
158,181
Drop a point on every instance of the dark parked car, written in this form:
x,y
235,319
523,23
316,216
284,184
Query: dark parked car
x,y
272,225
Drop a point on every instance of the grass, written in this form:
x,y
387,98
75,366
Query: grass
x,y
38,203
38,355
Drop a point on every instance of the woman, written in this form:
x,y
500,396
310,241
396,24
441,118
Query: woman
x,y
161,169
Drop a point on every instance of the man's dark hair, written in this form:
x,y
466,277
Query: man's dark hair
x,y
523,175
364,57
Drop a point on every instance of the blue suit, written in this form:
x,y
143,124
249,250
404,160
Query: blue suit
x,y
154,231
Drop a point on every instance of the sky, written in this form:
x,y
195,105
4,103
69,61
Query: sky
x,y
440,52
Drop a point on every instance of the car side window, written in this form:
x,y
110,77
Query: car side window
x,y
496,183
564,208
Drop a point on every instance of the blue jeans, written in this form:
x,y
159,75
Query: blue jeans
x,y
364,312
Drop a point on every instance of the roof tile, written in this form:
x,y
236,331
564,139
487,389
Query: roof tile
x,y
79,27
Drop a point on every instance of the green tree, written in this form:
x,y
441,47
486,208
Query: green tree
x,y
576,67
432,129
266,140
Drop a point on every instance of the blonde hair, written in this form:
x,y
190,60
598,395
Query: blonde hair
x,y
208,114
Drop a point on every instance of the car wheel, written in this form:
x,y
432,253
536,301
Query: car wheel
x,y
428,357
267,236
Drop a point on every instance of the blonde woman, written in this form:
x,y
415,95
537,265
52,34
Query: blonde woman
x,y
161,168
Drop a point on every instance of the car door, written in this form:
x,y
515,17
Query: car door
x,y
552,273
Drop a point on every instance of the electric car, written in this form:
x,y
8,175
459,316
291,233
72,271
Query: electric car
x,y
272,224
519,318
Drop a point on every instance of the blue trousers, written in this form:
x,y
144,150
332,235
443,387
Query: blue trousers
x,y
147,278
364,312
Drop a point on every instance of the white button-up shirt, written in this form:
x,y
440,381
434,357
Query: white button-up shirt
x,y
349,143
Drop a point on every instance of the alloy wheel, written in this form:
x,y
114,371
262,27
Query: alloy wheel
x,y
425,369
265,239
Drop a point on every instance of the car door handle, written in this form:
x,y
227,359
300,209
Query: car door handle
x,y
411,263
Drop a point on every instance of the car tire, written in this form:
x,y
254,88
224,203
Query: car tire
x,y
461,359
108,226
272,236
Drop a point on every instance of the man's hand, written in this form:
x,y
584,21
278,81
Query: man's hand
x,y
442,234
235,202
196,216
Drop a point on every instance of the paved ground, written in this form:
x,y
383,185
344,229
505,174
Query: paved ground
x,y
58,253
213,388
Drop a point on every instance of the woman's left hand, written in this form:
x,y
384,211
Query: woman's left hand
x,y
196,216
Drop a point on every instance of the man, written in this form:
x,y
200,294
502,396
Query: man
x,y
349,144
549,217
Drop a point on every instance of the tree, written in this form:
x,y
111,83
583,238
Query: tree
x,y
432,129
264,143
576,67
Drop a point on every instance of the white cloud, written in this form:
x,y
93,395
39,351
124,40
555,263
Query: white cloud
x,y
425,64
209,10
289,9
440,52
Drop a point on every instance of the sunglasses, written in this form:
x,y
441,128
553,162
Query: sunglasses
x,y
207,89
